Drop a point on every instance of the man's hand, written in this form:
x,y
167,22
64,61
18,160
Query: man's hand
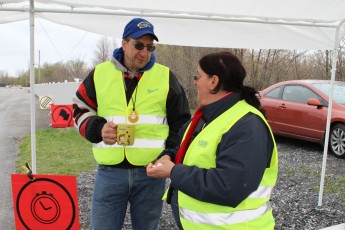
x,y
109,133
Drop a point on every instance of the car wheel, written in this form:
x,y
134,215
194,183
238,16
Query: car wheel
x,y
337,140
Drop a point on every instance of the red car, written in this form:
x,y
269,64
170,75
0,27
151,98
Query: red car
x,y
298,109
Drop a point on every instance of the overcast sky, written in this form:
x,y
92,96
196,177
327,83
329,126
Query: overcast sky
x,y
55,42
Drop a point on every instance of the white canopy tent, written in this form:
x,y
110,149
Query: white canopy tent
x,y
263,24
255,24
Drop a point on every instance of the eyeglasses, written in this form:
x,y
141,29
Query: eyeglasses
x,y
141,46
196,77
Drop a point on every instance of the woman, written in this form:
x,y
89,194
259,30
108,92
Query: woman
x,y
226,167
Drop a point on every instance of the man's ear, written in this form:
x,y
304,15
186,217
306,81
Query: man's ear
x,y
124,44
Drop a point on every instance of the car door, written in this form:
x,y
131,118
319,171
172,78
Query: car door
x,y
270,103
297,118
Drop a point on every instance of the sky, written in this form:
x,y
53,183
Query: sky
x,y
53,42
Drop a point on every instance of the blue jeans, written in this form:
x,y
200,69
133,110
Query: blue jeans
x,y
115,187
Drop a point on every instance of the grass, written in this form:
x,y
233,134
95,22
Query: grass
x,y
335,186
58,151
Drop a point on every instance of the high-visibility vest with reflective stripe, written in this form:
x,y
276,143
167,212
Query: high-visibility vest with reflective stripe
x,y
255,211
151,130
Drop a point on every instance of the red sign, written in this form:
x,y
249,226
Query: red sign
x,y
47,202
61,116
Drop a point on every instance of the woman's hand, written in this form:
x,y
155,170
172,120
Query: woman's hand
x,y
160,168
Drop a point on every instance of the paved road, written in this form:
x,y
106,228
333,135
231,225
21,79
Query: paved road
x,y
15,123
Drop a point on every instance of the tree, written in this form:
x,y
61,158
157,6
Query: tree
x,y
103,50
4,78
76,69
341,61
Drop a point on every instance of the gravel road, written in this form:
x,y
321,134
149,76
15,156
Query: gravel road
x,y
15,123
294,198
15,119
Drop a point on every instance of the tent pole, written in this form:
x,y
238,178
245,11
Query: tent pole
x,y
231,18
32,87
328,125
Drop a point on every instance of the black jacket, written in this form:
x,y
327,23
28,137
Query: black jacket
x,y
241,158
90,125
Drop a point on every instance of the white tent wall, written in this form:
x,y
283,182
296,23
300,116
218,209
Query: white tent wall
x,y
265,24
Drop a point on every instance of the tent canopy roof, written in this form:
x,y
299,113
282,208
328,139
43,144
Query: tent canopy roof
x,y
275,24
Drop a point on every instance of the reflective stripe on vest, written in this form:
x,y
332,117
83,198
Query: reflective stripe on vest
x,y
198,155
262,192
224,218
138,143
151,130
143,119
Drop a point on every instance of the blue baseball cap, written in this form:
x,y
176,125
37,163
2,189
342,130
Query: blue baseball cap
x,y
138,27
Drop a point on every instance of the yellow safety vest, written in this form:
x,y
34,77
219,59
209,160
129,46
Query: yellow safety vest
x,y
151,130
255,211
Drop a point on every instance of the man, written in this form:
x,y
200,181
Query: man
x,y
132,96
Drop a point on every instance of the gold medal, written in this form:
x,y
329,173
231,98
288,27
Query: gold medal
x,y
133,116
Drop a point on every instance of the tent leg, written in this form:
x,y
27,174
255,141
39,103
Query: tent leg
x,y
328,124
32,88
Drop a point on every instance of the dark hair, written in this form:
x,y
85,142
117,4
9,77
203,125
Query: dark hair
x,y
231,74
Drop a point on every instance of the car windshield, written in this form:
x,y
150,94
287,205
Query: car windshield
x,y
338,91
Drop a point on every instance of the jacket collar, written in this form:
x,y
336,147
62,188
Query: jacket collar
x,y
216,108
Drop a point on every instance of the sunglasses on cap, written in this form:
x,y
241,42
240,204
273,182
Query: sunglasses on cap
x,y
141,46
